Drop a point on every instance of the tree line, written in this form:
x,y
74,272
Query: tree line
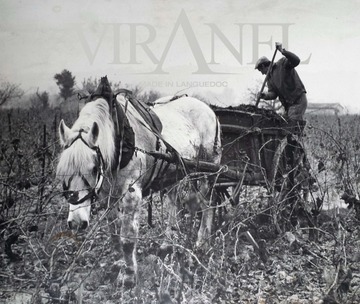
x,y
64,80
66,83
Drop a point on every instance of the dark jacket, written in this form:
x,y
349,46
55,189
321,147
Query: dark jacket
x,y
284,81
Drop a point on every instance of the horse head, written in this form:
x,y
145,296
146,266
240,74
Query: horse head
x,y
89,153
82,169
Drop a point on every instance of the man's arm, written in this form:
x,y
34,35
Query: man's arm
x,y
293,60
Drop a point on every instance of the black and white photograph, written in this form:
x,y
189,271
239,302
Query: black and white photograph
x,y
179,152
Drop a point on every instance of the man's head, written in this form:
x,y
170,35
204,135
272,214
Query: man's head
x,y
262,64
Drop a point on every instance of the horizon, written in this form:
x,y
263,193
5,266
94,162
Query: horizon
x,y
172,47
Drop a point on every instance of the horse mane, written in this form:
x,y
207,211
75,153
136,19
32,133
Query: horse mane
x,y
78,155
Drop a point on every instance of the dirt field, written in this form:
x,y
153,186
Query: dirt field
x,y
43,262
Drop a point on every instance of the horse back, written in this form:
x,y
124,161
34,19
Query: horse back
x,y
191,127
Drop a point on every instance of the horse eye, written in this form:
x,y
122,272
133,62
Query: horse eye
x,y
94,170
74,197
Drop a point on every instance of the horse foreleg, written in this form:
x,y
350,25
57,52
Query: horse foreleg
x,y
149,210
129,233
205,200
172,210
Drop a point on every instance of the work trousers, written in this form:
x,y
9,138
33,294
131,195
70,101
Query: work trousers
x,y
297,110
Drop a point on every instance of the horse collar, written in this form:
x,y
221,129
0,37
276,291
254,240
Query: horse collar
x,y
124,137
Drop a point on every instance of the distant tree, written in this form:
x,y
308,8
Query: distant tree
x,y
66,83
201,98
9,91
152,96
40,100
146,97
115,86
90,85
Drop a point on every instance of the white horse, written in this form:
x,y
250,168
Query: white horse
x,y
89,164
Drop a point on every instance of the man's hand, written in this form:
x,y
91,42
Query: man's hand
x,y
260,96
279,47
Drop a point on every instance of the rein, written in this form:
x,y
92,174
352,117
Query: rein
x,y
72,196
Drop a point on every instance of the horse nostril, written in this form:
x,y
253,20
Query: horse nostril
x,y
75,226
84,225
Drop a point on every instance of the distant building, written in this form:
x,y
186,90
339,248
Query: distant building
x,y
325,108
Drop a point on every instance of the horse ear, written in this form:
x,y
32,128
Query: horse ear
x,y
63,132
94,133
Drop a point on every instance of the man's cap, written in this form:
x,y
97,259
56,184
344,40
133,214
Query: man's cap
x,y
262,60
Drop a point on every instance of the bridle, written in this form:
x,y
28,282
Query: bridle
x,y
73,196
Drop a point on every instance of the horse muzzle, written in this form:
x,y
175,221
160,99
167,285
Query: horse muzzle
x,y
81,225
79,216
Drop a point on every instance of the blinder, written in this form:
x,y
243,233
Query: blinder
x,y
73,196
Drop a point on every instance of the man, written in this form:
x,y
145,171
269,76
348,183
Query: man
x,y
284,82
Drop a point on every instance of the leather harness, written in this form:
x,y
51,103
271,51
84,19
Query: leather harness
x,y
124,136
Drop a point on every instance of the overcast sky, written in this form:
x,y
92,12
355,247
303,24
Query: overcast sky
x,y
169,46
